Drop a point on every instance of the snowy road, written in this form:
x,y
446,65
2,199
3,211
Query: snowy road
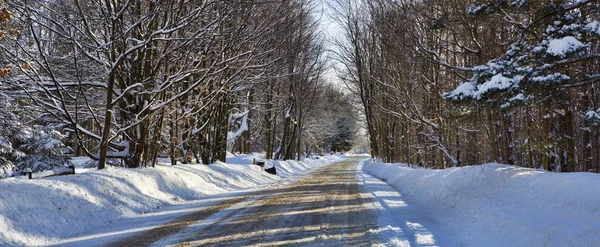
x,y
336,205
324,208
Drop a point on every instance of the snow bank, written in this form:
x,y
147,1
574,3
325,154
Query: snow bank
x,y
501,205
40,211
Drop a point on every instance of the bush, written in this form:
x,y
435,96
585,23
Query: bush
x,y
42,149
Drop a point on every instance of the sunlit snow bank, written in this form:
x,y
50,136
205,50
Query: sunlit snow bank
x,y
501,205
34,212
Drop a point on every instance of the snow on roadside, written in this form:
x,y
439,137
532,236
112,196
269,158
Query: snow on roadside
x,y
40,211
399,223
501,205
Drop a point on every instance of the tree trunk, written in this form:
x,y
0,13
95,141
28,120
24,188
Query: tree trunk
x,y
173,141
105,135
588,156
569,136
529,139
492,136
545,141
299,139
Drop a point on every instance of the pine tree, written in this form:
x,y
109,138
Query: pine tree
x,y
9,124
533,70
541,68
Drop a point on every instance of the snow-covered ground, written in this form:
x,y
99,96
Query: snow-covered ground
x,y
400,223
488,205
47,210
491,205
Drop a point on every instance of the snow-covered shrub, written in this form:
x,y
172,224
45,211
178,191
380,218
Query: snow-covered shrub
x,y
42,149
6,166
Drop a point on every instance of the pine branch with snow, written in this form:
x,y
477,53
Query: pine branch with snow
x,y
533,70
42,149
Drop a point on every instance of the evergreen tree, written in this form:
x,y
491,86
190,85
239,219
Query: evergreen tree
x,y
9,124
537,70
341,140
42,149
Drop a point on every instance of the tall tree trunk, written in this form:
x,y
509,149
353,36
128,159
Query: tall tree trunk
x,y
569,136
268,123
492,135
529,139
588,156
289,151
173,139
299,139
281,150
545,140
508,140
156,139
458,148
107,122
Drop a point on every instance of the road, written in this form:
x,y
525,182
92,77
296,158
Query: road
x,y
322,209
335,205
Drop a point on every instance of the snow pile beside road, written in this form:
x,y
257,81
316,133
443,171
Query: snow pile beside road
x,y
38,211
501,205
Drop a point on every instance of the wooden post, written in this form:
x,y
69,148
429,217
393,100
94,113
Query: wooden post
x,y
260,163
72,169
29,173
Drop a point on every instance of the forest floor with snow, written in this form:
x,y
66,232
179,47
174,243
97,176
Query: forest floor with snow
x,y
48,210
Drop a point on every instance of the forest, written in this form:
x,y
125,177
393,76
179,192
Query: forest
x,y
447,83
127,82
299,123
436,83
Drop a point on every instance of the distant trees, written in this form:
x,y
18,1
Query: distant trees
x,y
136,80
341,139
340,119
449,83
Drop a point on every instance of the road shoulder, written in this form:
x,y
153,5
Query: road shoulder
x,y
400,223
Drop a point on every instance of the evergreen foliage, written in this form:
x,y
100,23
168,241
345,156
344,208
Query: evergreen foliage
x,y
38,148
9,124
42,149
342,139
537,70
